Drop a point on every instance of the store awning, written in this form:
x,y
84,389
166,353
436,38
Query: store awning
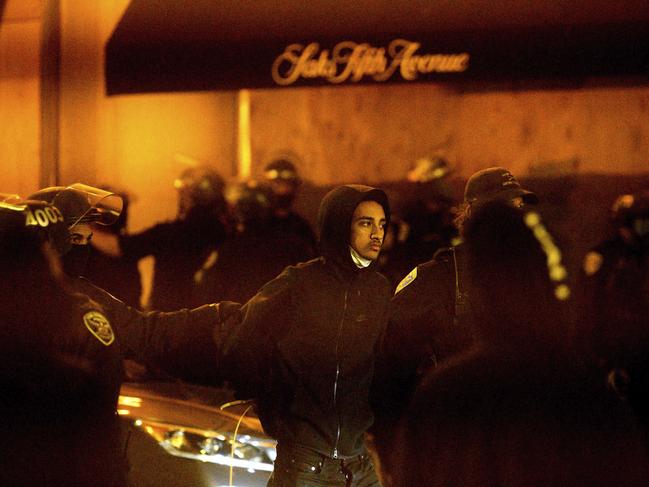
x,y
176,45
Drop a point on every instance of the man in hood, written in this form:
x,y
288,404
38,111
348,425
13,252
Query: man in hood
x,y
305,349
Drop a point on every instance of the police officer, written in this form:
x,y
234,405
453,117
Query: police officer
x,y
182,245
616,299
284,181
180,343
430,318
60,367
259,250
66,340
519,408
426,218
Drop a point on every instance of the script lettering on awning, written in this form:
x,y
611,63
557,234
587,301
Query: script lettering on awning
x,y
350,61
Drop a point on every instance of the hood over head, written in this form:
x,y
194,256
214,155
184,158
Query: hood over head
x,y
335,218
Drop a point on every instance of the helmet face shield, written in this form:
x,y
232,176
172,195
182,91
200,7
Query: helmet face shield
x,y
249,201
632,211
103,207
80,203
9,198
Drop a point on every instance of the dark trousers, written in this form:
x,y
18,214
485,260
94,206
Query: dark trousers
x,y
301,467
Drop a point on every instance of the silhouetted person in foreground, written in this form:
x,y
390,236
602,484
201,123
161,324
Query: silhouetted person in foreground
x,y
57,402
431,316
520,409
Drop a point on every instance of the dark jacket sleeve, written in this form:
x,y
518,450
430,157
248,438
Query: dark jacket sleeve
x,y
420,311
418,315
148,242
181,343
249,344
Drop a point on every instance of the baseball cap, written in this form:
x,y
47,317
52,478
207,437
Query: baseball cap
x,y
496,183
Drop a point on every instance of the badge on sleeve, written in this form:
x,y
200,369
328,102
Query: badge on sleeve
x,y
99,326
407,280
592,262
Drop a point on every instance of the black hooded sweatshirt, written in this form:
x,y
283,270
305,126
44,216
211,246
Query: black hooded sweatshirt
x,y
306,347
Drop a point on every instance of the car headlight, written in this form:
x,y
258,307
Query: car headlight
x,y
246,452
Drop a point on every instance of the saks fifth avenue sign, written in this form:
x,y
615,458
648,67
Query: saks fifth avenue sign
x,y
349,61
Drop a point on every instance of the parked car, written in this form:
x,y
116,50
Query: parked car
x,y
184,435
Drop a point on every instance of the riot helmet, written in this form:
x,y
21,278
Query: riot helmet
x,y
429,169
9,197
283,180
25,226
120,224
249,202
631,212
199,187
79,204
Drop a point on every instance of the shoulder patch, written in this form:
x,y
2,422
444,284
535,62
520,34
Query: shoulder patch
x,y
407,280
592,262
99,326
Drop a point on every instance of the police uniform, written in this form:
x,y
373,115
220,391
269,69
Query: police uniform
x,y
62,410
615,283
431,317
256,254
616,306
616,278
180,343
519,409
430,321
63,365
179,247
60,366
426,226
286,221
294,226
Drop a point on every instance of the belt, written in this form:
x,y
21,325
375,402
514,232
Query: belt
x,y
299,456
